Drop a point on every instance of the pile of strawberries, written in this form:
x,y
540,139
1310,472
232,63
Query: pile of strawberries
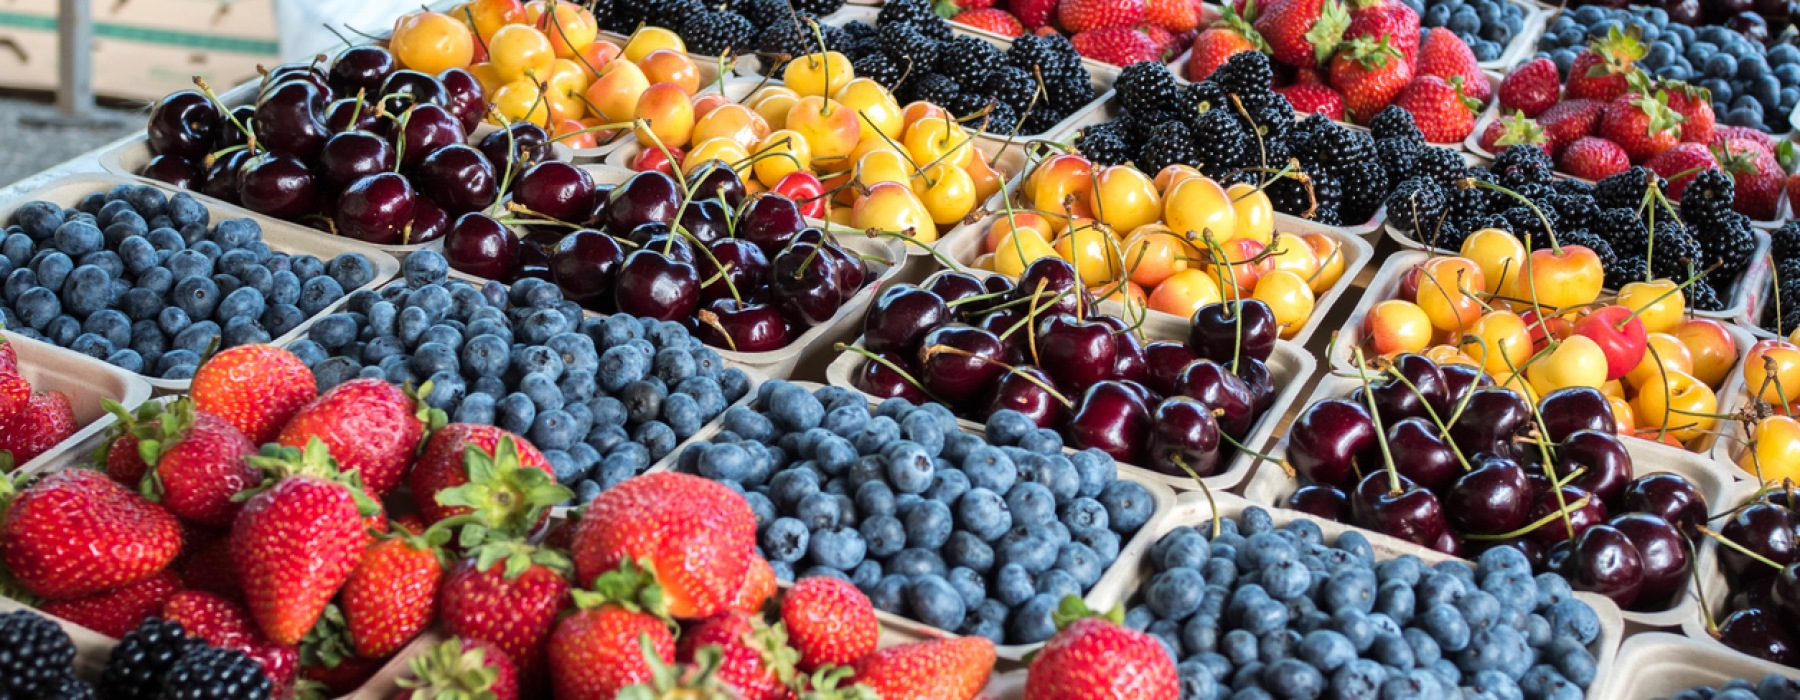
x,y
1119,32
1350,60
31,421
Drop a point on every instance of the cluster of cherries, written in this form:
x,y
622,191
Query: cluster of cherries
x,y
745,271
1439,456
363,149
1759,551
981,345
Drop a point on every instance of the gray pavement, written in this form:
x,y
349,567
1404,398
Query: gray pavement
x,y
34,136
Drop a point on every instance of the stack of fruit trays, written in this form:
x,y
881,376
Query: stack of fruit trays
x,y
1618,526
1420,303
51,399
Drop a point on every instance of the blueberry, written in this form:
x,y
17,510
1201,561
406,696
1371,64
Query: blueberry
x,y
657,436
1552,589
966,550
908,466
516,413
78,238
928,525
1573,618
785,540
936,602
795,409
1031,504
842,548
1032,623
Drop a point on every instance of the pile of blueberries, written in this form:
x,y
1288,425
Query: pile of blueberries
x,y
1487,26
1263,611
138,279
973,534
602,397
1771,687
1751,86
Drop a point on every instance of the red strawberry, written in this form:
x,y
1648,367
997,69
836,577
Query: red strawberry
x,y
952,8
510,595
392,595
1174,15
991,20
759,587
829,621
1743,132
47,420
224,623
756,656
1793,192
1119,46
1757,177
1311,99
121,609
461,668
1034,14
198,463
1694,104
340,676
1684,159
597,651
15,394
1164,41
370,426
1641,124
1370,75
1531,88
937,669
76,533
1096,657
1513,130
9,357
696,534
1446,56
256,388
1229,36
1594,158
297,540
1084,15
1386,18
501,462
1303,33
206,564
1570,120
1600,71
1444,114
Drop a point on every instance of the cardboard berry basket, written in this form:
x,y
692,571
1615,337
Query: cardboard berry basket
x,y
1291,366
1760,290
282,236
908,630
85,380
1272,484
1660,665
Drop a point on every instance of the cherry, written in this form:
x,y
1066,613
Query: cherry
x,y
1606,464
465,96
850,271
1759,633
804,278
228,134
652,285
1325,443
376,209
958,363
560,191
714,180
1575,408
1112,418
1077,353
646,197
174,170
1129,363
405,88
1219,334
184,125
659,237
583,263
880,380
459,178
1579,518
286,73
706,221
350,115
352,155
361,69
1422,455
1763,528
745,327
1492,415
1664,556
1427,379
1164,360
480,246
1492,499
901,317
221,178
1604,561
1459,380
1184,438
1022,390
1261,382
429,222
744,265
1321,500
291,118
1668,496
1006,324
277,184
425,130
770,221
1410,513
1056,276
518,146
1211,383
951,285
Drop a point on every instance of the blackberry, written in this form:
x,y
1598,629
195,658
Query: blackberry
x,y
818,8
1518,166
1574,212
137,665
1728,242
1206,95
914,13
1676,253
1329,192
34,654
1039,121
628,15
1573,188
1623,230
1707,198
1416,205
1148,89
1031,51
963,104
1068,91
1170,143
880,68
1703,297
764,13
602,11
1626,190
1221,143
1528,226
1339,146
853,31
1001,119
1136,131
1245,72
1608,259
1787,273
1365,185
1466,205
1789,320
787,38
1394,122
1271,114
211,673
935,88
1104,144
714,33
1443,166
1398,156
70,687
1784,242
968,60
1629,269
908,47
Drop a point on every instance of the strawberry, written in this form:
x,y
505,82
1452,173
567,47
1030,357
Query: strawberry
x,y
15,394
1370,74
392,594
76,533
1441,109
1033,14
508,594
1513,130
499,462
1229,36
1793,192
991,20
830,622
369,425
198,463
1570,120
254,387
759,587
118,453
121,609
1119,46
1311,99
1684,159
1531,88
696,535
756,657
1594,158
1174,15
1641,124
1386,18
1078,16
1599,72
46,420
9,357
1757,177
460,668
1761,137
1694,104
700,679
596,652
1097,657
1303,33
340,676
936,669
1163,40
952,8
1446,56
297,539
223,623
206,564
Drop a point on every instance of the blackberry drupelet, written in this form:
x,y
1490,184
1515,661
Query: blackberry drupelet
x,y
1528,225
1466,204
211,673
853,31
1415,205
1104,144
1148,89
1169,143
1787,274
904,43
968,60
1627,270
1394,122
789,39
764,13
1040,121
1707,199
1029,51
1365,185
935,88
817,7
1702,296
1729,242
1784,243
963,104
1001,119
1623,230
1626,189
137,665
714,33
1573,188
1442,165
34,654
1399,156
1245,72
628,15
880,68
1675,255
1220,143
1330,193
1575,212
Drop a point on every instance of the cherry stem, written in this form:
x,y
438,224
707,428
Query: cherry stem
x,y
1031,332
1571,477
979,297
1032,314
1709,532
897,369
1241,447
205,89
711,319
1211,503
1639,311
952,350
1387,457
1562,512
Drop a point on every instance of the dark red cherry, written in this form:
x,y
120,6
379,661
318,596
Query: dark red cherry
x,y
1184,439
1604,464
1605,562
1491,415
290,118
353,155
714,180
174,170
277,184
1112,418
951,285
959,363
770,221
425,130
1578,519
1411,513
1576,408
1217,334
558,191
516,147
429,223
1427,380
1668,496
1260,381
706,221
647,197
376,209
851,271
1023,390
582,264
466,100
1460,380
1052,281
727,324
900,318
361,69
1077,353
652,285
229,134
1216,386
1325,443
1129,363
1663,553
184,125
744,264
1760,633
308,73
1164,360
221,178
804,279
1494,498
458,178
1320,500
350,115
480,246
1421,454
1009,325
1765,529
881,381
405,88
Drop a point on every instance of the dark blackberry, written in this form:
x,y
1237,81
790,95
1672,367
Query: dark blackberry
x,y
818,8
1394,122
1702,297
857,31
909,47
762,13
1365,186
935,88
788,38
211,673
1013,86
1416,205
1465,204
1675,254
835,39
1573,188
1728,242
1221,143
1789,320
968,60
628,15
1449,235
714,33
1629,269
1784,243
1529,226
1289,195
1787,273
137,665
1444,166
1707,198
1581,237
1069,91
34,654
70,687
1626,190
1031,51
1339,146
1329,191
602,10
1136,131
1206,95
915,13
1518,166
1147,88
1245,72
1623,230
1398,156
1575,212
1169,143
1104,144
1001,119
1040,121
880,68
1271,114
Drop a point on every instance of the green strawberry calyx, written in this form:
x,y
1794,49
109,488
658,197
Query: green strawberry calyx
x,y
157,431
449,672
698,680
125,422
1462,95
1241,24
823,685
1073,608
1657,114
518,557
1328,31
1520,130
503,495
1369,52
280,462
632,586
1618,52
328,644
